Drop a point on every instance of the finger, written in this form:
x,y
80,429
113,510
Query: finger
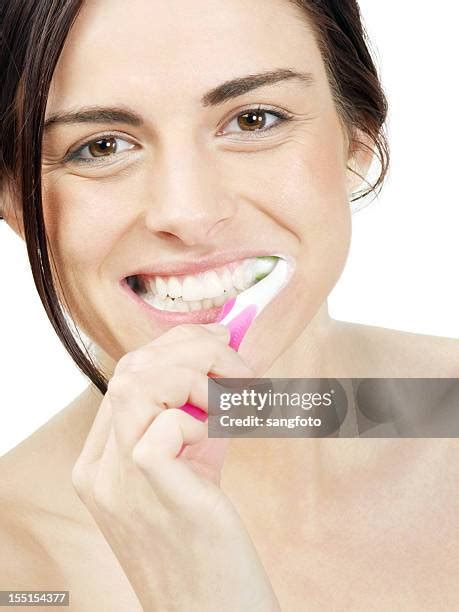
x,y
193,330
106,477
143,398
156,454
97,437
207,355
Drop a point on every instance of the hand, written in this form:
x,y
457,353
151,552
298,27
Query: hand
x,y
177,536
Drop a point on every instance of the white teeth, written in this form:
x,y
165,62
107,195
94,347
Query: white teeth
x,y
238,278
210,285
157,302
205,286
174,287
191,290
219,301
151,285
208,289
161,287
181,306
225,279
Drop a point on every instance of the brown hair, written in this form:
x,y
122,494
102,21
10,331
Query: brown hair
x,y
353,77
32,35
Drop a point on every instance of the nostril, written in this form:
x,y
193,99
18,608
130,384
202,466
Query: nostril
x,y
168,236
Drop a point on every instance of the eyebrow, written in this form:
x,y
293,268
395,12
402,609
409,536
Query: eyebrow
x,y
226,91
95,114
242,85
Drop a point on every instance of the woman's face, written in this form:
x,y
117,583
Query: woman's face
x,y
154,174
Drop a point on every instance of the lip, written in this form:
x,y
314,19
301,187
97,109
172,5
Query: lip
x,y
182,268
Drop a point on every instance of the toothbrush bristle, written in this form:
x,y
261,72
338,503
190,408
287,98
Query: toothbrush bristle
x,y
267,263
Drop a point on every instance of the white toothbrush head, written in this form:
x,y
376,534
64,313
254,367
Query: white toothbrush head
x,y
262,292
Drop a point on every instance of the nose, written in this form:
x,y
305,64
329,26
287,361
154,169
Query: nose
x,y
186,200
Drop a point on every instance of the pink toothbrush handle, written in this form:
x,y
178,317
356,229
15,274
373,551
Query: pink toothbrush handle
x,y
238,328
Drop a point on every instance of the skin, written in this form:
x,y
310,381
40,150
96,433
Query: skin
x,y
182,193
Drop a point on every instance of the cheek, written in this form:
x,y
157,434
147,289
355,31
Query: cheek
x,y
301,187
308,193
84,220
85,223
315,182
324,223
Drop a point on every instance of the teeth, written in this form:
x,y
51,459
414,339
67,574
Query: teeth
x,y
181,306
208,289
161,287
238,278
248,273
226,279
174,287
203,286
150,286
219,301
191,290
211,284
232,292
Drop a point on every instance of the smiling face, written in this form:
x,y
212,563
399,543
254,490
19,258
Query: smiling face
x,y
164,172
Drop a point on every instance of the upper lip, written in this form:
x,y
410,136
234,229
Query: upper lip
x,y
179,268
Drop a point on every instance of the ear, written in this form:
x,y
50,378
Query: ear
x,y
360,156
10,209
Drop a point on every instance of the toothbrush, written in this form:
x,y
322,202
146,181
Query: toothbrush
x,y
239,312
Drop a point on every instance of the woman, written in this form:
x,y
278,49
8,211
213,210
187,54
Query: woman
x,y
164,139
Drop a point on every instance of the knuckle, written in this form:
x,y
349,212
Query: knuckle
x,y
184,376
123,363
142,457
120,386
103,498
80,479
208,347
130,362
188,330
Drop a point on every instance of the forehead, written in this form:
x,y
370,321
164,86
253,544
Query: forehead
x,y
163,49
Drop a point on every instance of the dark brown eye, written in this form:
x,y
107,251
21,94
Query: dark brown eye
x,y
103,147
252,120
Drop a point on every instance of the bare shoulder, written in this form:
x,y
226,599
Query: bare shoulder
x,y
382,352
25,563
48,539
33,490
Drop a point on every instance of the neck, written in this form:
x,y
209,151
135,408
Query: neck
x,y
313,354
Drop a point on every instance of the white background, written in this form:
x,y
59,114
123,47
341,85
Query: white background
x,y
401,272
